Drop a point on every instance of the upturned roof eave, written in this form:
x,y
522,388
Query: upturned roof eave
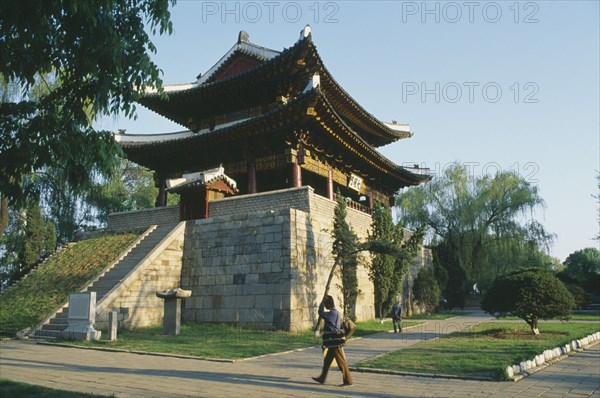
x,y
380,133
296,106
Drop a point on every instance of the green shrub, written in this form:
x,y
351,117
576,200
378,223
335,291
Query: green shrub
x,y
530,294
426,289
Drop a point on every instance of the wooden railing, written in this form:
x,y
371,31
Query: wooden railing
x,y
358,206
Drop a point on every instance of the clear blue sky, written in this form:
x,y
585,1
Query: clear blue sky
x,y
497,85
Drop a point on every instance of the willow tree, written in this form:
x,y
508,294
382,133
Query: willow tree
x,y
39,240
481,227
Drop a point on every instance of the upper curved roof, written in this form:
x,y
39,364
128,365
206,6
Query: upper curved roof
x,y
249,75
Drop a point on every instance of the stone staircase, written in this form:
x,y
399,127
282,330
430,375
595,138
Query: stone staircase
x,y
107,281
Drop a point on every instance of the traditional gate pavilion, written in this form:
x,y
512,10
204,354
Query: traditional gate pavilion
x,y
273,120
271,136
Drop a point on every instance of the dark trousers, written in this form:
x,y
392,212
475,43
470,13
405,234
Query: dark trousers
x,y
340,359
397,324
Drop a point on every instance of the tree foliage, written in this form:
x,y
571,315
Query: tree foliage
x,y
382,272
345,249
70,213
583,266
93,59
480,227
388,267
531,295
426,289
39,241
584,263
130,188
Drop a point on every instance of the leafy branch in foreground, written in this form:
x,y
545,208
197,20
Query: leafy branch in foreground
x,y
64,64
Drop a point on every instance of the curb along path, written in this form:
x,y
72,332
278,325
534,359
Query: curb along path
x,y
284,375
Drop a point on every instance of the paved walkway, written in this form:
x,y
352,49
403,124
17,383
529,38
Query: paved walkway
x,y
284,375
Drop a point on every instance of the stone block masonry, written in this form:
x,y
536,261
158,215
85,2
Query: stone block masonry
x,y
236,267
263,260
295,198
141,219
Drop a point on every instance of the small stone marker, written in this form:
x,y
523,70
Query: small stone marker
x,y
172,309
82,316
113,325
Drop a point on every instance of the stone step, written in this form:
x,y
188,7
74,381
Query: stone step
x,y
48,333
108,281
104,284
118,274
58,321
57,326
35,337
100,293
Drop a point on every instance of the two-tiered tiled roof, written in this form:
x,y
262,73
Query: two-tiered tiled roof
x,y
255,97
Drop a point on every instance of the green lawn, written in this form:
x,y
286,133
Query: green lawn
x,y
28,302
13,389
590,316
586,316
227,341
484,351
221,341
207,341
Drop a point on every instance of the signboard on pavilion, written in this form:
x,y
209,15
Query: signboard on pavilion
x,y
354,182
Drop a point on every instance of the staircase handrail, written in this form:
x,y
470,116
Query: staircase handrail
x,y
153,254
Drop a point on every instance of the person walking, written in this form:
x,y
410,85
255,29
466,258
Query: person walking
x,y
396,313
333,341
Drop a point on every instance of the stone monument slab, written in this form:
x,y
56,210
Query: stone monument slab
x,y
82,316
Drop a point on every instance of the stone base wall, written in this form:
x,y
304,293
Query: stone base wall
x,y
135,297
267,267
237,268
139,219
295,198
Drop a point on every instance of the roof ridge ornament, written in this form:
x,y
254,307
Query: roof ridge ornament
x,y
313,82
306,32
243,37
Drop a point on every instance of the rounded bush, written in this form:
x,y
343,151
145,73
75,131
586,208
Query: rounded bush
x,y
530,294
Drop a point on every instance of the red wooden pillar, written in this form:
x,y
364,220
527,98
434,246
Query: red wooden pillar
x,y
330,184
161,199
251,172
205,193
371,200
296,175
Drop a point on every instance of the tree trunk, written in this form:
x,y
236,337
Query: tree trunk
x,y
534,326
3,214
331,273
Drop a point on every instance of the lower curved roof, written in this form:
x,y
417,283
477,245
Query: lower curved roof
x,y
270,133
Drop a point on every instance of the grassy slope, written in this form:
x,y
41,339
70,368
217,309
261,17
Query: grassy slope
x,y
32,299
